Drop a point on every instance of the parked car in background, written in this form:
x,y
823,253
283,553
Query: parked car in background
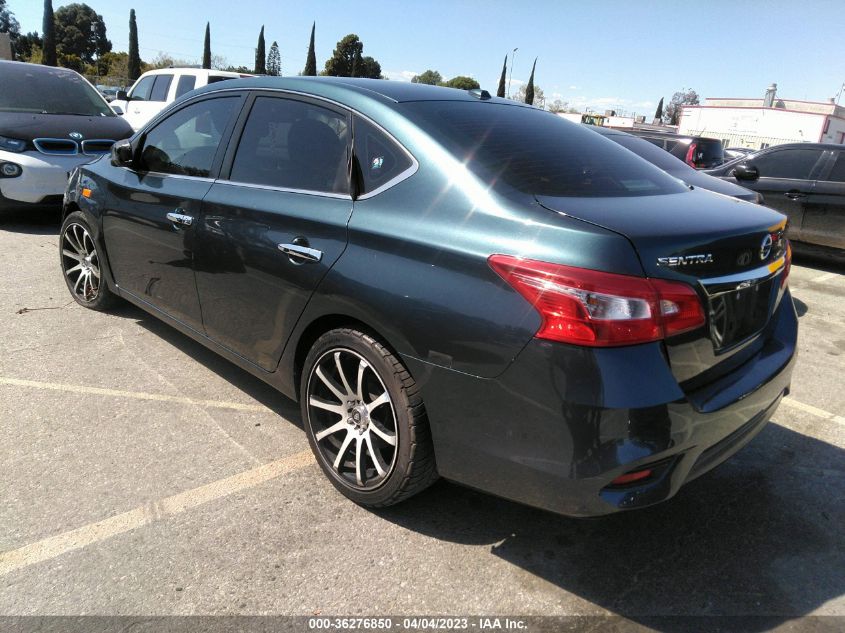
x,y
109,92
595,335
674,166
737,152
806,182
156,89
699,152
51,120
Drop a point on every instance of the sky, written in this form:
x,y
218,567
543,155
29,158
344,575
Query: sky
x,y
597,54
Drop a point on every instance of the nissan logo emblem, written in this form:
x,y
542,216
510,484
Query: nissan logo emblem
x,y
766,247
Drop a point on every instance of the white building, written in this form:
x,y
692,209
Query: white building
x,y
759,123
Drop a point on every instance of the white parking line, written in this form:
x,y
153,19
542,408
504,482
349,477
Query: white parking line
x,y
808,408
54,546
138,395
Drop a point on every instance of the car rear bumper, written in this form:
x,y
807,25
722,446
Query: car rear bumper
x,y
43,177
562,422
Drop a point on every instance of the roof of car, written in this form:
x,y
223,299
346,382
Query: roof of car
x,y
382,89
34,68
197,72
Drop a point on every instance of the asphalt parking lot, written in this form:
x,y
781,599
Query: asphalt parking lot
x,y
143,475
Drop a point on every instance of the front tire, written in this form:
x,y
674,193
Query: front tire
x,y
81,264
365,419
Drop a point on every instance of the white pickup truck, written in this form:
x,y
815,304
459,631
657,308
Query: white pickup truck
x,y
156,89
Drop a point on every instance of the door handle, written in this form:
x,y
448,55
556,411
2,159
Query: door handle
x,y
301,253
795,195
177,217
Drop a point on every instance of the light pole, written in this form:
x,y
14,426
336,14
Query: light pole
x,y
513,55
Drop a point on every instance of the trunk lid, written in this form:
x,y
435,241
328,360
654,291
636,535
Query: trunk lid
x,y
732,252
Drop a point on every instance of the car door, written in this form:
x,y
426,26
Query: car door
x,y
154,206
274,223
824,215
786,181
148,99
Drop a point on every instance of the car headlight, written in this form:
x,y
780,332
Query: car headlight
x,y
12,144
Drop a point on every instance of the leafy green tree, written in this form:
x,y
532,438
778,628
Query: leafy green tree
x,y
48,48
8,23
431,77
529,91
462,83
260,55
274,61
206,47
658,114
28,46
310,69
347,60
133,67
500,92
80,33
676,104
238,69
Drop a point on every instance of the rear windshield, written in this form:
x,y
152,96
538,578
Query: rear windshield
x,y
53,91
537,152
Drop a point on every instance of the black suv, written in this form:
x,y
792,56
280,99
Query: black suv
x,y
806,181
696,151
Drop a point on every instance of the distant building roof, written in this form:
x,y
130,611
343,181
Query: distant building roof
x,y
792,105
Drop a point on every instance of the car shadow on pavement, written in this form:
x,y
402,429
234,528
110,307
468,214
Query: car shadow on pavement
x,y
32,222
762,535
243,380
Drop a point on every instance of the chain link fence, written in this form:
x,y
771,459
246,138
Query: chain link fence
x,y
750,141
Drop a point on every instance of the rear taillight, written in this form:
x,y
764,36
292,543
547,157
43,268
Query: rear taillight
x,y
590,307
690,159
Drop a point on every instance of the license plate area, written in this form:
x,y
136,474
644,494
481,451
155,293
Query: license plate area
x,y
738,314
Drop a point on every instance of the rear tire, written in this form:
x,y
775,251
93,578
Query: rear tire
x,y
365,419
82,265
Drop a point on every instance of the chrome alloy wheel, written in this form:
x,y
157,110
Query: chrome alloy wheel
x,y
80,262
353,422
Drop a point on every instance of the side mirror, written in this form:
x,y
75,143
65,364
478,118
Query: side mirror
x,y
122,154
744,171
117,109
121,94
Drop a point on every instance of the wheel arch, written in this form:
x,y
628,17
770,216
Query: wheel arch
x,y
296,353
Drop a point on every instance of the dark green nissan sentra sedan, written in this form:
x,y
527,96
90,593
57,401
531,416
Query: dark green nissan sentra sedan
x,y
451,285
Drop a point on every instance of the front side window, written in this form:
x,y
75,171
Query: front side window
x,y
837,174
379,158
293,145
186,142
161,87
796,164
141,91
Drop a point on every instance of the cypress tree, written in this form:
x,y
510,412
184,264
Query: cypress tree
x,y
206,49
134,65
311,60
260,55
501,91
48,48
658,114
529,90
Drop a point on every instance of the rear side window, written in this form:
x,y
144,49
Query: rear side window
x,y
160,88
838,172
293,145
379,158
787,163
537,152
186,142
141,91
185,85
